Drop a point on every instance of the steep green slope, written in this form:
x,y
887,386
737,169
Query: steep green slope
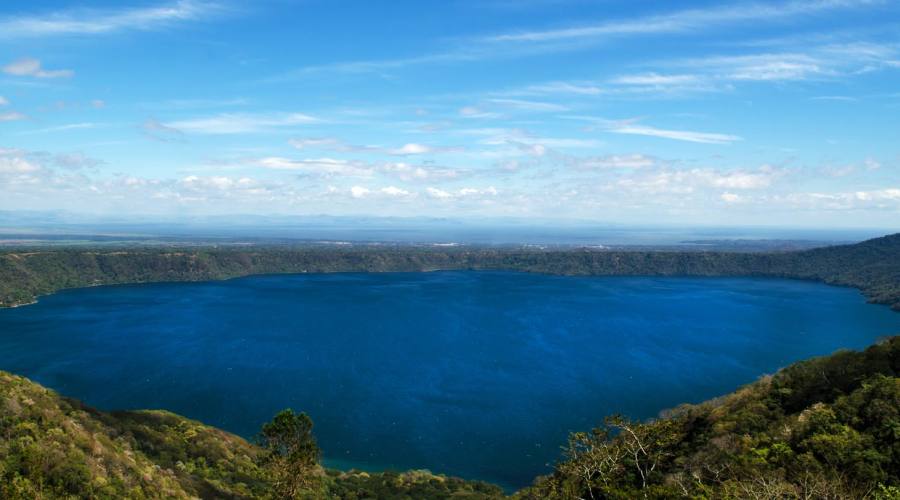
x,y
54,447
872,266
824,428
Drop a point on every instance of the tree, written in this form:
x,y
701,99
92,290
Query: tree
x,y
291,456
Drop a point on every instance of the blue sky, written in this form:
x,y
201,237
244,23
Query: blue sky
x,y
762,113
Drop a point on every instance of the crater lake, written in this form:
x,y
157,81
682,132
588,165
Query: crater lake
x,y
475,374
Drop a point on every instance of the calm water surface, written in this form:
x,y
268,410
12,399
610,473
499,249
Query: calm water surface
x,y
477,374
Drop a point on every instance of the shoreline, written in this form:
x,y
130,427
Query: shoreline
x,y
890,305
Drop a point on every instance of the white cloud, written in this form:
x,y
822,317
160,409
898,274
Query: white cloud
x,y
465,192
237,123
735,180
216,182
438,193
633,161
324,166
99,21
33,67
813,62
731,198
412,149
3,101
395,192
655,79
583,88
409,172
881,194
678,135
358,191
770,67
673,181
11,116
886,198
13,161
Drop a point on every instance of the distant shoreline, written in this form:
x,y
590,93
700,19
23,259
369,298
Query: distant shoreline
x,y
872,266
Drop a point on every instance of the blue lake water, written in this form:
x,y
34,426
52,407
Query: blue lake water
x,y
476,374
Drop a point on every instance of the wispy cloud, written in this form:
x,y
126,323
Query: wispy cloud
x,y
524,105
63,128
33,67
337,145
765,67
721,73
239,123
678,135
655,79
681,21
814,62
476,112
532,42
378,65
838,98
186,104
155,130
100,21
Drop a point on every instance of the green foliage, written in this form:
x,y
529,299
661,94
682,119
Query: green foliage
x,y
823,428
291,456
53,447
410,485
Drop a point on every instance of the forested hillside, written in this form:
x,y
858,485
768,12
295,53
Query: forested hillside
x,y
54,447
873,266
826,428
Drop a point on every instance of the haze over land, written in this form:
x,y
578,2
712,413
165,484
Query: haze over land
x,y
768,113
